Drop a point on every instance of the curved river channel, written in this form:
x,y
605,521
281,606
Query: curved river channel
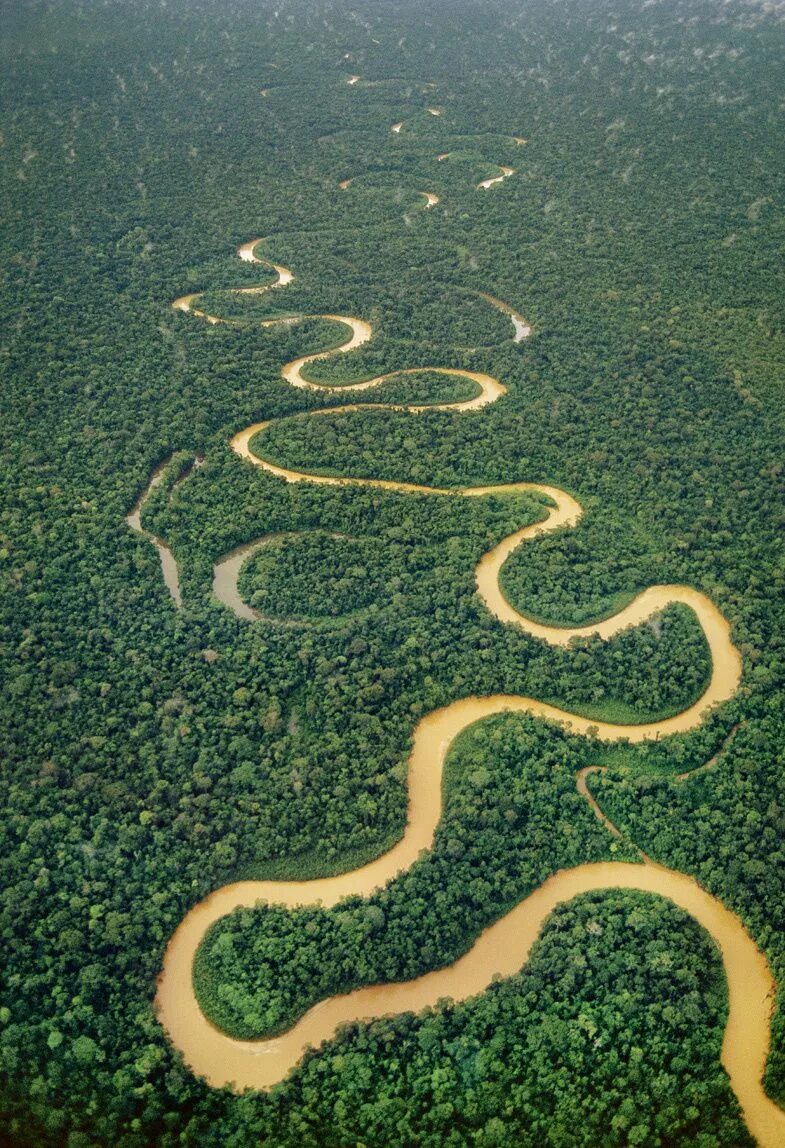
x,y
504,947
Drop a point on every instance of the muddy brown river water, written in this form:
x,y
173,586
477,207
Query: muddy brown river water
x,y
504,947
506,172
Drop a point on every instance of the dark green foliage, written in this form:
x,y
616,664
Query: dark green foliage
x,y
512,816
314,576
501,1070
642,237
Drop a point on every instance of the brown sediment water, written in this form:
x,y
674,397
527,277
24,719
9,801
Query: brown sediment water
x,y
583,775
566,512
248,255
360,332
582,785
710,764
503,948
185,303
521,327
226,574
134,520
506,172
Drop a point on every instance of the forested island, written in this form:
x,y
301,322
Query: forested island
x,y
392,574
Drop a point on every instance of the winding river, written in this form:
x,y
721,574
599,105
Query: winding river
x,y
504,947
226,576
520,326
169,569
430,201
505,173
134,520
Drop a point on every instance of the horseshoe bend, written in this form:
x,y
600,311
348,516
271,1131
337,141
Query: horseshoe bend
x,y
503,948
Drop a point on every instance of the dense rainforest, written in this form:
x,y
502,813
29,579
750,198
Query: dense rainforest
x,y
152,754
